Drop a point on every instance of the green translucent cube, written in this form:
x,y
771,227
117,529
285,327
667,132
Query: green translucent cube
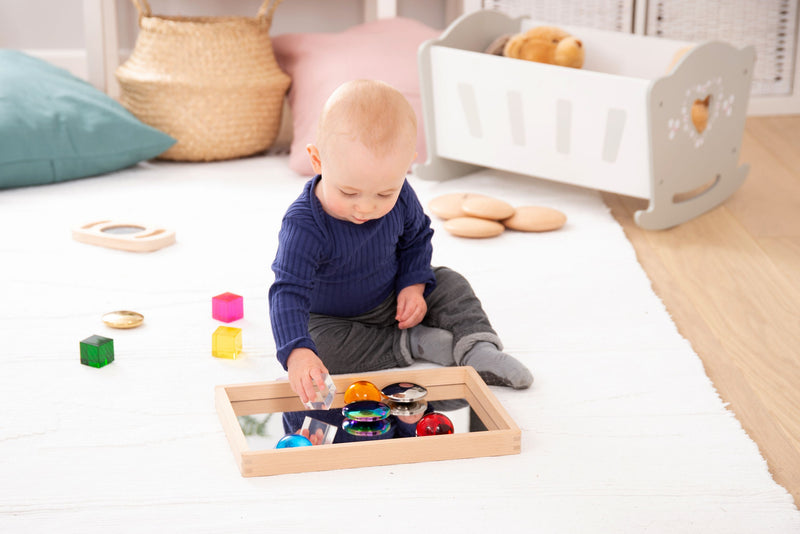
x,y
226,342
97,351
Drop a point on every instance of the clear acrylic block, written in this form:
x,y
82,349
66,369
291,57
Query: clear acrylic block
x,y
319,432
324,398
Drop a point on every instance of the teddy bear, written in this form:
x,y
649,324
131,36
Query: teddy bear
x,y
543,44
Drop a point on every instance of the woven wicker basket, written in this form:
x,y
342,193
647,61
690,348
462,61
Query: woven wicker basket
x,y
212,83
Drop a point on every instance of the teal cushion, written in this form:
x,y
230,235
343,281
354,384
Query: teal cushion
x,y
56,127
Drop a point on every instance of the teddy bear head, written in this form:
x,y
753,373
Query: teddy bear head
x,y
546,44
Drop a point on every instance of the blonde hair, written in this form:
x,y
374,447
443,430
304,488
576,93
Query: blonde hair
x,y
371,112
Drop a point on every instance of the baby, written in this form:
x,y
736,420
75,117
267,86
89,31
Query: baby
x,y
354,288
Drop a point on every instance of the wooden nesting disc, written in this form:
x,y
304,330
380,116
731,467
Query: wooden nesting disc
x,y
123,319
473,227
448,206
535,219
487,208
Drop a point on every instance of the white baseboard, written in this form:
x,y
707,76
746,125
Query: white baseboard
x,y
72,59
774,105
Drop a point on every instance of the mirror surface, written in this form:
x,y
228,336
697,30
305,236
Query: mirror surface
x,y
123,230
262,431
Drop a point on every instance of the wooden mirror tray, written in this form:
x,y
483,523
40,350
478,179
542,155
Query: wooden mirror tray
x,y
497,433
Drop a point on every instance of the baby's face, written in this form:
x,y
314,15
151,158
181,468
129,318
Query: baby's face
x,y
358,186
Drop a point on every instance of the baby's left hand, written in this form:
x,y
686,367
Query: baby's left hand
x,y
411,306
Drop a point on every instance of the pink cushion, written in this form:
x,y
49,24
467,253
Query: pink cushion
x,y
319,62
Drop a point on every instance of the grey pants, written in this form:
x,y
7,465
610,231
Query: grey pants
x,y
372,341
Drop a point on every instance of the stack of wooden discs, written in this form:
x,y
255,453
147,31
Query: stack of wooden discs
x,y
475,215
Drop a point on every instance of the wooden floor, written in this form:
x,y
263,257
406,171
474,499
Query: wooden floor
x,y
731,281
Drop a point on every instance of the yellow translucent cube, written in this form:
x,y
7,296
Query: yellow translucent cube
x,y
226,342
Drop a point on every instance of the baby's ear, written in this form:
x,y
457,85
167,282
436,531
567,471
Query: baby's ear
x,y
313,155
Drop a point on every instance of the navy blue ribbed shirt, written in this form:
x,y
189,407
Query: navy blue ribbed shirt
x,y
333,267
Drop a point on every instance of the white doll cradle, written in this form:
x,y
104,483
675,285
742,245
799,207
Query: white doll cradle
x,y
620,124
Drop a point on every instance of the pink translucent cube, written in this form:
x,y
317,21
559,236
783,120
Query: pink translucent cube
x,y
227,307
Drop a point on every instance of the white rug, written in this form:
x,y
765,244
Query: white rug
x,y
621,432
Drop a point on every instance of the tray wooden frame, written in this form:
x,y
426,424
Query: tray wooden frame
x,y
502,436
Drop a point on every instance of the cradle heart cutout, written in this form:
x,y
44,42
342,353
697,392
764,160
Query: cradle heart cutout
x,y
700,114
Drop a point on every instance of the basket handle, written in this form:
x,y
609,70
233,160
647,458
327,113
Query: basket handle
x,y
265,12
143,8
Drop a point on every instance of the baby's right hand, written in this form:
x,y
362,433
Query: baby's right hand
x,y
305,368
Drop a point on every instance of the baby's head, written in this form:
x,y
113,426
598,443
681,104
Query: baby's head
x,y
366,141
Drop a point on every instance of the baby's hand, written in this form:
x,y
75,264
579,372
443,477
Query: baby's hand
x,y
315,438
305,368
411,306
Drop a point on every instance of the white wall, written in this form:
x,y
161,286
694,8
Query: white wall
x,y
58,24
54,29
291,15
41,24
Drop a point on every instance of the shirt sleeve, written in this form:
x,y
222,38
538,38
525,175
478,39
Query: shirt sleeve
x,y
295,265
414,247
